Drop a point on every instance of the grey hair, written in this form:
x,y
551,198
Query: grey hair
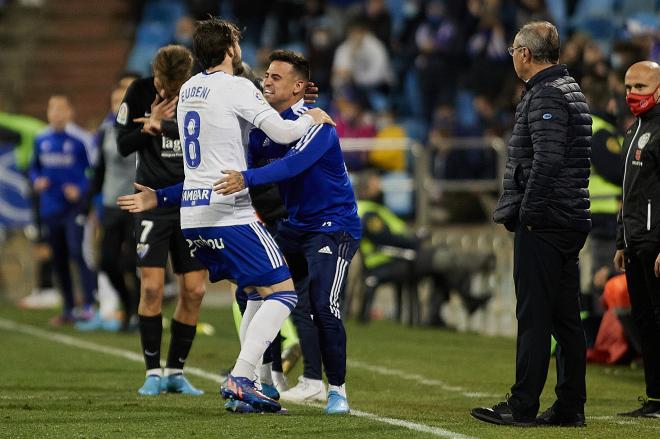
x,y
542,40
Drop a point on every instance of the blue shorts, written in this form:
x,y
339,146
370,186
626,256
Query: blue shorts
x,y
246,254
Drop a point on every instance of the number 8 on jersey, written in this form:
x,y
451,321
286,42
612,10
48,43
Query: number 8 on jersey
x,y
191,139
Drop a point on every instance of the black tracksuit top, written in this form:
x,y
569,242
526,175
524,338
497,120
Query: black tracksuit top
x,y
639,219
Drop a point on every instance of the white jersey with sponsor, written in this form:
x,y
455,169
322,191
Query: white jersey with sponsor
x,y
215,112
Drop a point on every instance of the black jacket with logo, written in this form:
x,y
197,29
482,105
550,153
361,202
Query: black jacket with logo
x,y
547,168
639,219
159,158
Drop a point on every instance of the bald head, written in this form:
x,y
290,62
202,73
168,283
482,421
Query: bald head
x,y
642,78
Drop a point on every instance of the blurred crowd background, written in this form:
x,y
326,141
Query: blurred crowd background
x,y
428,70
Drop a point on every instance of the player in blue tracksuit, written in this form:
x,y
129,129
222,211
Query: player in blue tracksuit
x,y
323,229
62,156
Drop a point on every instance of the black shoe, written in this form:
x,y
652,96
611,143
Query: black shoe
x,y
649,409
552,417
501,414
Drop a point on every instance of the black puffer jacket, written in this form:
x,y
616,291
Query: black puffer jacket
x,y
547,168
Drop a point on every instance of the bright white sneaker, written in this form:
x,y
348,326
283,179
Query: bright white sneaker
x,y
41,299
305,391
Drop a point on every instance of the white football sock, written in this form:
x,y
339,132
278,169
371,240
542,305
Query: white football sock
x,y
339,389
156,372
263,328
265,373
167,372
251,309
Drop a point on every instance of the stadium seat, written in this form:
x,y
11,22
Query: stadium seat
x,y
153,33
601,29
398,193
594,8
632,7
415,129
412,94
164,11
140,59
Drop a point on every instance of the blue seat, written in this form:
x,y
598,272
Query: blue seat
x,y
141,57
602,29
412,94
164,11
397,195
153,33
415,128
629,8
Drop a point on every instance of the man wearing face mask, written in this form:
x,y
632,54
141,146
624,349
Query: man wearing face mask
x,y
638,237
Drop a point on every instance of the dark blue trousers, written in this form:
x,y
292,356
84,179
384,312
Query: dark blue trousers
x,y
324,259
64,234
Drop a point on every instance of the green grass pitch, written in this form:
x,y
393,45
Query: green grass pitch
x,y
402,382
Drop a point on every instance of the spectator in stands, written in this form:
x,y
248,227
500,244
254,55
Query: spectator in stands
x,y
546,202
487,51
377,17
604,180
391,252
63,154
531,10
282,28
389,129
362,61
353,120
440,46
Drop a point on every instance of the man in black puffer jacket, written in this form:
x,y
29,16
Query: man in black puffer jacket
x,y
546,203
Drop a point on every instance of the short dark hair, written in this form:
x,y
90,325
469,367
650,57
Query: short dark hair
x,y
173,65
542,40
298,62
212,39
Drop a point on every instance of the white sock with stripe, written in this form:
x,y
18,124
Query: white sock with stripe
x,y
254,302
263,328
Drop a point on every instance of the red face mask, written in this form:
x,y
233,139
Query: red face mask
x,y
640,104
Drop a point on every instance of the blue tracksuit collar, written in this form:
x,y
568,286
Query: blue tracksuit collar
x,y
294,111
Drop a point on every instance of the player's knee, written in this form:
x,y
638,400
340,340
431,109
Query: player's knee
x,y
192,295
152,292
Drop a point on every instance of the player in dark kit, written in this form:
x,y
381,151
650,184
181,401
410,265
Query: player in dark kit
x,y
145,125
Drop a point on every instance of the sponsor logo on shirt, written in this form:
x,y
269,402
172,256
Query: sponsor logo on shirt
x,y
56,160
171,148
195,197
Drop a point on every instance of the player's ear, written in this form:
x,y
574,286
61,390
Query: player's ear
x,y
299,86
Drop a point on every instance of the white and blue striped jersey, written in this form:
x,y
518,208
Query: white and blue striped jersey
x,y
215,113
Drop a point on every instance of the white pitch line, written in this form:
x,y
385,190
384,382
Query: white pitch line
x,y
419,379
132,356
